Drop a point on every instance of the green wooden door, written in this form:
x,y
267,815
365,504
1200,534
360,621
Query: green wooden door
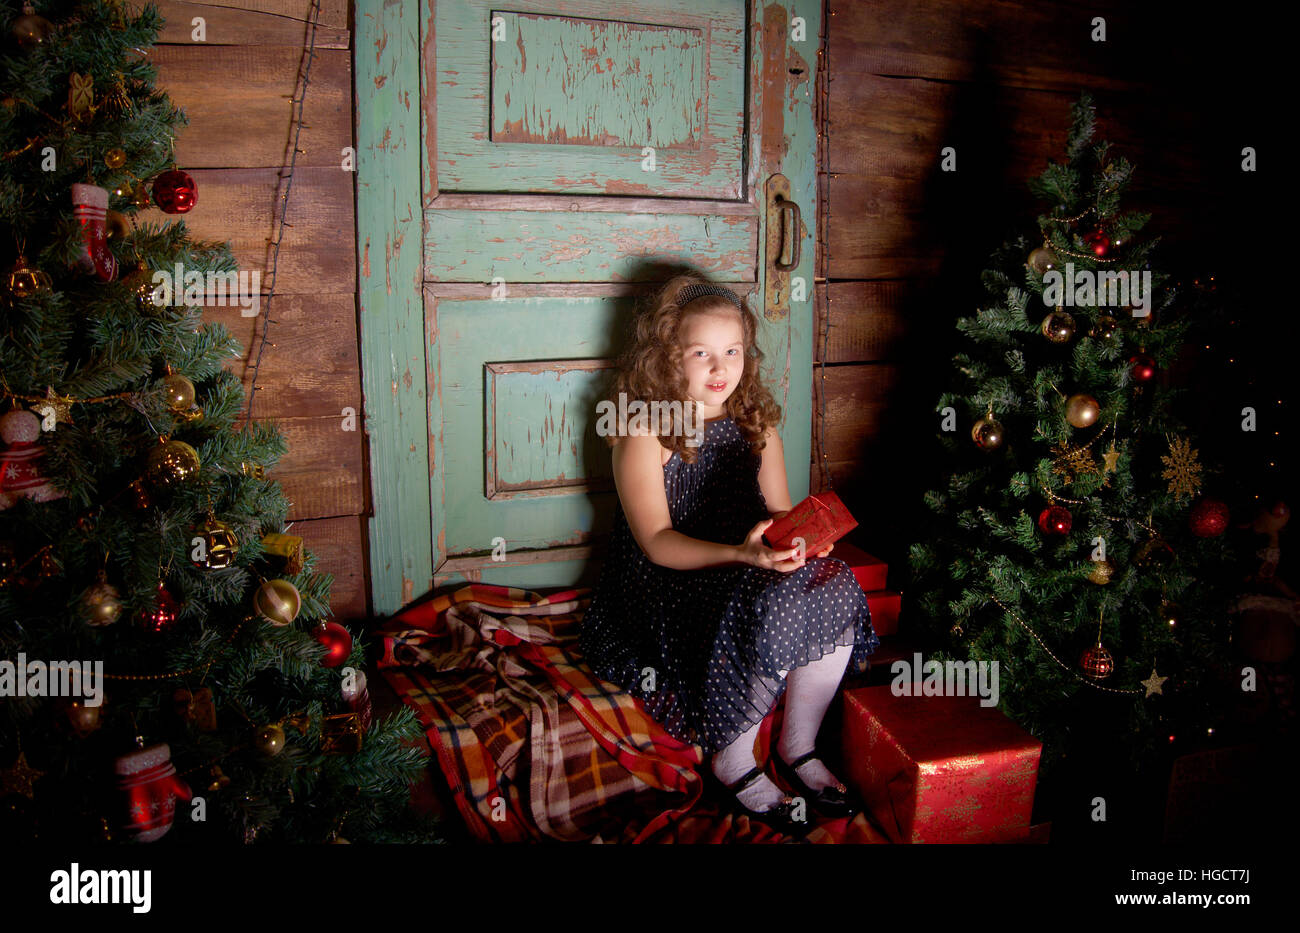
x,y
571,156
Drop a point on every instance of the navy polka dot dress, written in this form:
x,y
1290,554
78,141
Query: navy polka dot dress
x,y
703,649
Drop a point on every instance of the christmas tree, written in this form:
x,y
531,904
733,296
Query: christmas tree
x,y
1078,540
139,537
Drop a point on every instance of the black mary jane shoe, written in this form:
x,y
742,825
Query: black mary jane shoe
x,y
829,802
778,817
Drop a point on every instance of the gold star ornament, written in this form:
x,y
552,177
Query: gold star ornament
x,y
20,778
1154,683
58,406
1111,457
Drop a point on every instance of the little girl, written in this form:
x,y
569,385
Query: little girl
x,y
693,614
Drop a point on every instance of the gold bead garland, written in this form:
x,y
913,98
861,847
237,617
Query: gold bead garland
x,y
1048,650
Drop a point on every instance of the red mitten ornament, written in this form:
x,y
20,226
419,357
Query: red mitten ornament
x,y
90,206
20,473
149,779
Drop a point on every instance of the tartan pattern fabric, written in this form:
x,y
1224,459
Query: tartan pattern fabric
x,y
532,743
535,746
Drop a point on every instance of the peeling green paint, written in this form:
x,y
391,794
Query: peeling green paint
x,y
597,83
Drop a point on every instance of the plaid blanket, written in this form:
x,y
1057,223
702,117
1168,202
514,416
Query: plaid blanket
x,y
535,746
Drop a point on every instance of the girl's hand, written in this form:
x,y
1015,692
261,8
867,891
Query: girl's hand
x,y
826,550
755,552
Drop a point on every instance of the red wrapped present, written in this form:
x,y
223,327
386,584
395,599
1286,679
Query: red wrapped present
x,y
939,768
820,520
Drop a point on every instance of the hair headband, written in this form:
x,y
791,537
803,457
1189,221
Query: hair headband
x,y
691,292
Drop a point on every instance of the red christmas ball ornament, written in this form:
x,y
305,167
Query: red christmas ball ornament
x,y
1209,518
1098,242
337,641
162,615
1055,520
1097,662
1142,367
175,192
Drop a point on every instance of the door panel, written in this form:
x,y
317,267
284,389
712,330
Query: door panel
x,y
563,96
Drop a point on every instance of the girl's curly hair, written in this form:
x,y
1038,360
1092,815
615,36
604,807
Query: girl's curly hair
x,y
651,367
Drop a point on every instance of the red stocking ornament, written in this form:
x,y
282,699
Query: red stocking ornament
x,y
149,779
90,206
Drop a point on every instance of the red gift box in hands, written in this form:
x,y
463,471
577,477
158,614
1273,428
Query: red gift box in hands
x,y
819,520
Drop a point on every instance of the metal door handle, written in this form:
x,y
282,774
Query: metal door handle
x,y
787,209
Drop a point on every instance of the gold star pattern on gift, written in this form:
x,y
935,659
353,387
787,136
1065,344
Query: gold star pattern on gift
x,y
20,778
59,405
1183,470
1072,462
1154,683
1111,457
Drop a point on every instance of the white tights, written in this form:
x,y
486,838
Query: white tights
x,y
808,694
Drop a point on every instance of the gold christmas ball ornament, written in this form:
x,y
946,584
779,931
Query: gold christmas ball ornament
x,y
115,158
142,286
1082,410
1058,327
30,30
116,226
1105,329
141,197
987,433
214,546
269,740
25,280
1154,551
171,463
101,604
179,391
1042,260
1102,571
82,718
277,601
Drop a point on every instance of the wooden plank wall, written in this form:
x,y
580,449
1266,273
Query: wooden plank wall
x,y
905,242
237,90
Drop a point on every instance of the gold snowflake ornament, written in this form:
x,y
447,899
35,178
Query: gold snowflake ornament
x,y
1072,462
1183,470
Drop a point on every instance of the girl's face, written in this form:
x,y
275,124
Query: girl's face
x,y
713,358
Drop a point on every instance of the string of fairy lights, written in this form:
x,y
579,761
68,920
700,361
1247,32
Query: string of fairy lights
x,y
298,98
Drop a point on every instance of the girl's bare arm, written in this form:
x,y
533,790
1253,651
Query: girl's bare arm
x,y
639,477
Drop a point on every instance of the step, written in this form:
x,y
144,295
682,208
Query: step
x,y
885,606
892,648
870,571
